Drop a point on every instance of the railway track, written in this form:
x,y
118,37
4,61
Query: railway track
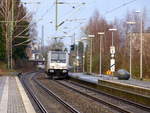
x,y
49,92
34,97
116,103
73,110
112,96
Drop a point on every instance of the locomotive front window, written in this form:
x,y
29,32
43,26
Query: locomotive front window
x,y
58,57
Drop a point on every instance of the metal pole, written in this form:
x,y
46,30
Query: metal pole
x,y
141,59
56,14
100,70
130,36
42,35
42,44
74,53
12,25
83,62
130,48
112,46
7,34
77,56
112,38
42,41
83,58
91,58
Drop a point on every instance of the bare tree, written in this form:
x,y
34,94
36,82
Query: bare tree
x,y
98,24
16,27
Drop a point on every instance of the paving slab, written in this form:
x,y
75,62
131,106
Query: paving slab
x,y
13,98
4,98
15,103
2,83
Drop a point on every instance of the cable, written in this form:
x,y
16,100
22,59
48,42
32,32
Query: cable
x,y
43,15
35,22
74,11
120,6
76,28
27,3
116,8
48,10
79,7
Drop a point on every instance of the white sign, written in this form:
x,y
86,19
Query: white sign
x,y
112,55
112,65
112,49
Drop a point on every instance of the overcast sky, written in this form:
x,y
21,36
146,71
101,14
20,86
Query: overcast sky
x,y
44,14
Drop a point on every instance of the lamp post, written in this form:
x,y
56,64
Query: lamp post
x,y
77,54
112,30
100,58
84,38
83,62
141,45
83,57
130,23
112,51
91,55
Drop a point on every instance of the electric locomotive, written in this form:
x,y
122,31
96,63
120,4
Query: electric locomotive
x,y
57,64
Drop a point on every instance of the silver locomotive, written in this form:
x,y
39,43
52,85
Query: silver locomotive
x,y
57,64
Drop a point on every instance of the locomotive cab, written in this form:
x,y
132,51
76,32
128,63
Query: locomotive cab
x,y
57,64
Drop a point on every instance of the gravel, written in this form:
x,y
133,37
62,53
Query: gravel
x,y
78,101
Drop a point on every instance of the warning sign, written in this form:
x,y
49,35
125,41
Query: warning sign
x,y
112,49
112,65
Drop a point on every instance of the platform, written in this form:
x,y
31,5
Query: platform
x,y
91,78
97,78
13,98
133,90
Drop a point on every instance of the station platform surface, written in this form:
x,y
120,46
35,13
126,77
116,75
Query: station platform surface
x,y
13,98
95,79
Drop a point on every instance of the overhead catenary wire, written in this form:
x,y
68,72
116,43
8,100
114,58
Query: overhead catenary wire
x,y
120,6
72,12
27,14
116,8
25,28
77,9
107,12
74,28
42,16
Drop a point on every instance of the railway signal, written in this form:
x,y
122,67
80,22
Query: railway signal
x,y
72,47
112,52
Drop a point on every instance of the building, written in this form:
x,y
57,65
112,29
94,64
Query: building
x,y
33,52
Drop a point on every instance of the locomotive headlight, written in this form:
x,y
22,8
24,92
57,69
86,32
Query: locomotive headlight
x,y
64,71
51,71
